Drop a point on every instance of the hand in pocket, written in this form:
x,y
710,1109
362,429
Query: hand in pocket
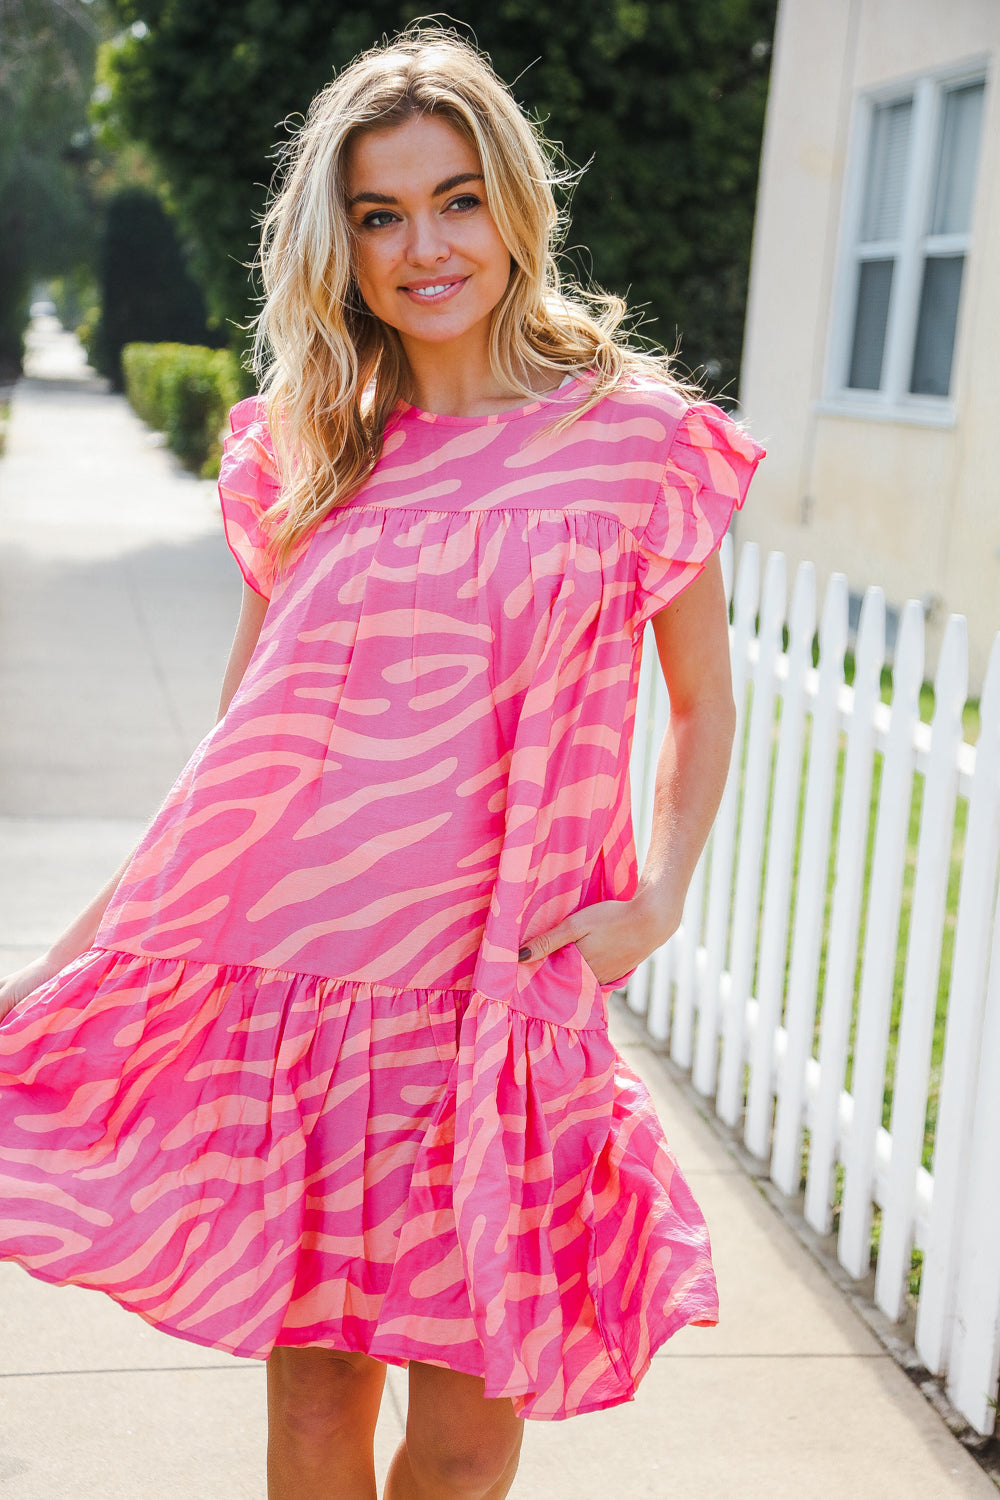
x,y
612,937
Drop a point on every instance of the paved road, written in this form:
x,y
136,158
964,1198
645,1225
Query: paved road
x,y
117,603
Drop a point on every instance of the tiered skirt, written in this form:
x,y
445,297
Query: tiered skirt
x,y
247,1157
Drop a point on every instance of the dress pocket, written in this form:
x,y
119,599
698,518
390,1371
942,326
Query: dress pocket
x,y
588,971
606,987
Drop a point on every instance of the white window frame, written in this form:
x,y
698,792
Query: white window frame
x,y
894,401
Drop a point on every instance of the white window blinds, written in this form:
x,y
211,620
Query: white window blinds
x,y
913,227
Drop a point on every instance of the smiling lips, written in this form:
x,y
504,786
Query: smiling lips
x,y
434,291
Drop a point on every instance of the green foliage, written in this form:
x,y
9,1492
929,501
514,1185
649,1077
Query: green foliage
x,y
86,331
206,87
46,65
144,367
185,391
74,294
666,102
664,99
146,292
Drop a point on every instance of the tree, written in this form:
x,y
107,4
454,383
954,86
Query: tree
x,y
666,102
206,87
46,225
147,294
665,99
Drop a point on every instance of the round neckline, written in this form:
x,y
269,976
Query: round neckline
x,y
491,419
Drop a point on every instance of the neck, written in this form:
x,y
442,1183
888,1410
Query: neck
x,y
457,382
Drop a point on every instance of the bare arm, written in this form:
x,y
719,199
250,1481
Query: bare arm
x,y
248,628
80,934
692,640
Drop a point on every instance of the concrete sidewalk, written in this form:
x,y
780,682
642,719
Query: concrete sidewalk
x,y
118,599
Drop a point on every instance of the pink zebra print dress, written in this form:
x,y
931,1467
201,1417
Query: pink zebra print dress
x,y
301,1091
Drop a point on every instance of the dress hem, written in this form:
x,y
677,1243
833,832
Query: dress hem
x,y
385,1357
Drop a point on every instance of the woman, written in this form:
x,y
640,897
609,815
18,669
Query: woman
x,y
323,1076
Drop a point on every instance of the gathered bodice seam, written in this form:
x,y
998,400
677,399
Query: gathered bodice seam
x,y
482,510
339,979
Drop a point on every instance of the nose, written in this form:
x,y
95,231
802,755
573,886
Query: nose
x,y
427,243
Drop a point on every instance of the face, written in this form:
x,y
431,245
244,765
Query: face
x,y
428,258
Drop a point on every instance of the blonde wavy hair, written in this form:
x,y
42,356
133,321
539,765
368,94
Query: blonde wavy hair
x,y
330,371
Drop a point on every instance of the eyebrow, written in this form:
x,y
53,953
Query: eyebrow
x,y
442,187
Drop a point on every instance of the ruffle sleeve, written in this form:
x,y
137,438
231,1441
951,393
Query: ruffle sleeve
x,y
708,469
248,486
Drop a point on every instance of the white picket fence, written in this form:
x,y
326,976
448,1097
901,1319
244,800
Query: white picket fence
x,y
736,994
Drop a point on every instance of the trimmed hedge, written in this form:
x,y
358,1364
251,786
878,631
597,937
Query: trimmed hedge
x,y
185,391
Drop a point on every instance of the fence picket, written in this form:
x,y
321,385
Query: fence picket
x,y
745,597
756,790
842,949
726,562
966,996
661,968
800,1006
780,853
974,1357
686,945
881,936
923,961
687,985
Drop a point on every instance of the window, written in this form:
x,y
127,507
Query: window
x,y
911,226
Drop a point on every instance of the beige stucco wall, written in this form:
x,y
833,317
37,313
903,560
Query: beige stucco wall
x,y
914,508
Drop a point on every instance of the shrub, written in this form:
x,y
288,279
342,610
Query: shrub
x,y
144,367
86,332
184,391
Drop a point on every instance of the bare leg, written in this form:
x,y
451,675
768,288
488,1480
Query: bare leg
x,y
458,1444
322,1407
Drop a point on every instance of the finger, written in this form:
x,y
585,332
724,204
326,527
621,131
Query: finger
x,y
547,942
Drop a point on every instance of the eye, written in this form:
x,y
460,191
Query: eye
x,y
465,202
378,220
